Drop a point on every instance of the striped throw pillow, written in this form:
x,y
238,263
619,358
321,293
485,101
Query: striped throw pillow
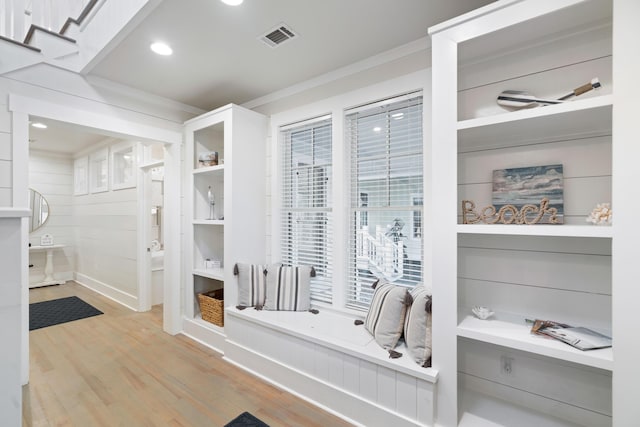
x,y
252,284
417,326
288,288
385,318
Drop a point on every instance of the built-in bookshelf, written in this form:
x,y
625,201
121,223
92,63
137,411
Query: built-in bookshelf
x,y
224,207
558,272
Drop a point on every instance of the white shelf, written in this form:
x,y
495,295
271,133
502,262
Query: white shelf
x,y
519,337
45,248
585,117
209,169
208,222
214,273
602,231
152,164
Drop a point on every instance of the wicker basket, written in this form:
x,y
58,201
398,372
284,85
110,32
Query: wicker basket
x,y
212,306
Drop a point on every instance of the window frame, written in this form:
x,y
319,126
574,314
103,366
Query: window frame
x,y
335,104
385,261
322,283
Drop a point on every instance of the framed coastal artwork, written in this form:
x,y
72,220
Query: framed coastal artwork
x,y
528,186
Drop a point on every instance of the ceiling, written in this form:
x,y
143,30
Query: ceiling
x,y
218,57
62,138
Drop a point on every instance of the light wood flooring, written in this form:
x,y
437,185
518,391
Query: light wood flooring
x,y
121,369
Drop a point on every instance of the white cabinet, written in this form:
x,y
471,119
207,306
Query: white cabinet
x,y
495,369
224,207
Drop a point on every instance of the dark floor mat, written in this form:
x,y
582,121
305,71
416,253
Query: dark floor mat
x,y
246,420
54,312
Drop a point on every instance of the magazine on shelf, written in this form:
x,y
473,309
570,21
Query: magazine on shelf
x,y
578,337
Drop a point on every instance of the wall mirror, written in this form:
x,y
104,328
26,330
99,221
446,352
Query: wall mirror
x,y
39,210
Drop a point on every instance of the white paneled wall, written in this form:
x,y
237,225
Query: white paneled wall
x,y
5,154
52,176
341,368
550,278
106,239
11,262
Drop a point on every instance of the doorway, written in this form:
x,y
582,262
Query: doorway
x,y
22,108
151,225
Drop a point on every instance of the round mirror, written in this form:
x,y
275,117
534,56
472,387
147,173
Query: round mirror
x,y
39,210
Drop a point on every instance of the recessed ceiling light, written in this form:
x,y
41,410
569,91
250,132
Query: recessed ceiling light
x,y
39,125
161,48
232,2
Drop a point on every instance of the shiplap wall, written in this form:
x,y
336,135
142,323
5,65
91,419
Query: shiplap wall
x,y
5,153
562,279
52,176
106,239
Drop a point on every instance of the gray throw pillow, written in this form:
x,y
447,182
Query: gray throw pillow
x,y
252,284
288,288
417,326
385,318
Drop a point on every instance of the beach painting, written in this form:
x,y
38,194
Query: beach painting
x,y
529,185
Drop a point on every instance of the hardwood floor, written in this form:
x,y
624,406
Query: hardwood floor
x,y
121,369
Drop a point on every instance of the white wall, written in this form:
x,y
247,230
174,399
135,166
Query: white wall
x,y
5,153
106,238
52,176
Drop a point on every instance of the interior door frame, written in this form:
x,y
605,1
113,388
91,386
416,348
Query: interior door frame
x,y
21,108
145,189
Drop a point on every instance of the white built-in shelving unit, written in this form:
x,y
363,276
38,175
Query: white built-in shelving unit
x,y
236,232
551,272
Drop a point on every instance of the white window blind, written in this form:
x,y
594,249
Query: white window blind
x,y
385,235
306,201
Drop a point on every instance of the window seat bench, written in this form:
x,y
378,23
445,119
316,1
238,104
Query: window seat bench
x,y
326,359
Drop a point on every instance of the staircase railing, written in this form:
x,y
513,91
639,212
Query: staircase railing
x,y
379,254
16,16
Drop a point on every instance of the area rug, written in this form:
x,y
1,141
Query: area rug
x,y
63,310
245,419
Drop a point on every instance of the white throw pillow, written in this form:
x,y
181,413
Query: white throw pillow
x,y
288,288
418,325
252,284
385,318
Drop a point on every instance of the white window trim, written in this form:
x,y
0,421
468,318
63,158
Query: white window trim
x,y
313,123
358,283
81,176
336,106
101,155
116,150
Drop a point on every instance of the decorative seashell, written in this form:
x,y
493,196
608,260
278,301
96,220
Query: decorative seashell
x,y
601,214
482,313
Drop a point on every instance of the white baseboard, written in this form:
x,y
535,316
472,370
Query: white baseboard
x,y
205,334
108,291
341,403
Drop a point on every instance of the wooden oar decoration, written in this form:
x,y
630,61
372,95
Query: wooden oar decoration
x,y
520,99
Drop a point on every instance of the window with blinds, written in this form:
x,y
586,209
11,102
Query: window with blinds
x,y
306,201
386,210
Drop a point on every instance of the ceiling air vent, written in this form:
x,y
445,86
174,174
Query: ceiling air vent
x,y
278,35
